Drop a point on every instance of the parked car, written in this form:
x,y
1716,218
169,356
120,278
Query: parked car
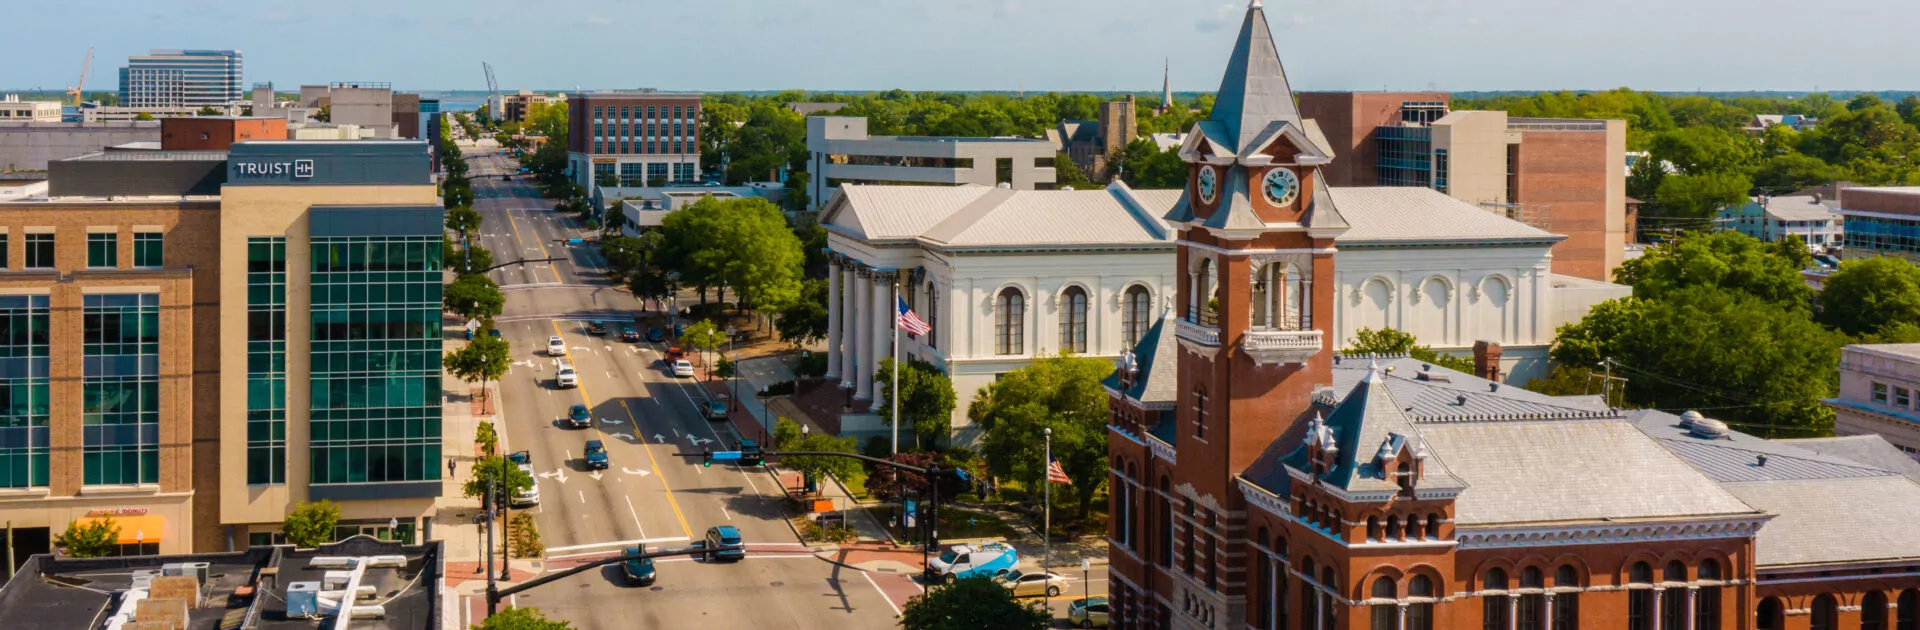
x,y
716,410
981,560
556,347
597,329
531,496
578,417
629,334
640,572
656,335
1032,584
1088,613
566,377
683,368
597,457
723,543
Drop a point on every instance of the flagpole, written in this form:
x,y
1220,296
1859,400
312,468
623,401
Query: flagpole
x,y
896,368
1046,522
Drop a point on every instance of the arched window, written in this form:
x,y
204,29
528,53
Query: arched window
x,y
1280,297
1873,611
1205,303
1706,603
1166,525
1010,322
1826,612
1385,615
1263,584
1138,315
1329,614
1309,597
1771,616
1673,601
1532,606
1393,529
1073,320
1373,528
1640,600
1566,604
1493,607
1277,587
932,315
1906,614
1433,527
1420,611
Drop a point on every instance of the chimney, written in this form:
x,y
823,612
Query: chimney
x,y
1486,359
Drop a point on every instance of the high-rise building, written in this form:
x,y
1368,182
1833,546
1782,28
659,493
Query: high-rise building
x,y
207,338
182,78
633,138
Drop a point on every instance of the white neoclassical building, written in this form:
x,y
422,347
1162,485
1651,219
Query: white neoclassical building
x,y
1005,276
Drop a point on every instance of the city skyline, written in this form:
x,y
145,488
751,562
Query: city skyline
x,y
1072,45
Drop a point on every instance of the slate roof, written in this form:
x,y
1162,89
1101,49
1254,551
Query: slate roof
x,y
1253,92
1157,356
1822,521
1433,395
1870,450
1400,215
1368,421
1735,457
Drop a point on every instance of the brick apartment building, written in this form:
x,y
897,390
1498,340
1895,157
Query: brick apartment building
x,y
633,138
218,133
1258,480
1561,175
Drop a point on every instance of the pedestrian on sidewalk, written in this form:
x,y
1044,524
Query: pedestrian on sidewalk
x,y
450,467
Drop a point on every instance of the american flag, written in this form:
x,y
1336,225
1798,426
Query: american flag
x,y
1056,474
904,319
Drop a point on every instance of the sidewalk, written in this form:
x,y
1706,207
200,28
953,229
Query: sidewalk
x,y
455,515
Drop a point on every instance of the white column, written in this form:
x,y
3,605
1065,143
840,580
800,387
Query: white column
x,y
1548,612
836,309
1513,611
1400,618
1693,594
857,327
879,325
1658,594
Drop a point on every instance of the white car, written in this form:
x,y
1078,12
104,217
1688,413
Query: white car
x,y
556,347
566,377
1033,584
683,368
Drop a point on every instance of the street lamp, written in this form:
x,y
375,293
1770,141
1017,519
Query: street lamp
x,y
393,528
735,358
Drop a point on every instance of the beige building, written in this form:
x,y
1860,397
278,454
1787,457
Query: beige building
x,y
1879,384
12,109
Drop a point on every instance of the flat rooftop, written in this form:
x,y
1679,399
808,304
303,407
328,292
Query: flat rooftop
x,y
152,155
52,593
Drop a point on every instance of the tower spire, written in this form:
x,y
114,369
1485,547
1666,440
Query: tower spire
x,y
1166,86
1254,93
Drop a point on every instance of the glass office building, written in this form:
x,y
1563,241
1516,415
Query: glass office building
x,y
182,78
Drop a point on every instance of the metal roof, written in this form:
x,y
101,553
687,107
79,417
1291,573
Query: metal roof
x,y
1157,357
1821,521
979,216
1404,214
1869,450
1253,92
1808,208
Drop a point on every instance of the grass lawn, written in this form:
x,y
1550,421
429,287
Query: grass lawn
x,y
954,524
857,484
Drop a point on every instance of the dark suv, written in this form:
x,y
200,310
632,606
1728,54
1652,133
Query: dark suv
x,y
723,543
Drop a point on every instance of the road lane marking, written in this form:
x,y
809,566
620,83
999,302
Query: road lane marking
x,y
615,543
635,515
883,593
583,500
671,502
724,512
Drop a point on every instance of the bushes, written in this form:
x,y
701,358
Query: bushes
x,y
523,538
782,388
812,365
813,531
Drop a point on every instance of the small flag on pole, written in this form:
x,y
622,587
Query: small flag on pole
x,y
905,320
1056,474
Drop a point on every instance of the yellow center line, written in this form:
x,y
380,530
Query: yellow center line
x,y
580,384
543,246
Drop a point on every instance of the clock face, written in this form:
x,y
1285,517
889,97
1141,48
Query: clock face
x,y
1208,185
1280,186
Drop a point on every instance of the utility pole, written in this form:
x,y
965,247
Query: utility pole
x,y
493,589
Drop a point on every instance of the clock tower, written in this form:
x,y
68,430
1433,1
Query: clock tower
x,y
1256,230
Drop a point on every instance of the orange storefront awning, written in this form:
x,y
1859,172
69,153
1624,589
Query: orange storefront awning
x,y
133,529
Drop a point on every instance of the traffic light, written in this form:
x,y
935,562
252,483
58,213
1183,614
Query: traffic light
x,y
750,454
706,459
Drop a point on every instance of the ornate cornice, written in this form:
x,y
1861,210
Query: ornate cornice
x,y
1259,497
1608,533
1162,450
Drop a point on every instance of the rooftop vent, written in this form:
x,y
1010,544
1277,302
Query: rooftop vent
x,y
1708,428
1493,387
1761,459
1462,400
1687,419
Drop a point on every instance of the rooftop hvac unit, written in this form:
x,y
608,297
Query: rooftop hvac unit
x,y
303,599
335,580
199,570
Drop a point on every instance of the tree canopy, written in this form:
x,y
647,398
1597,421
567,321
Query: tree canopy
x,y
97,538
1389,341
1870,294
926,398
517,618
970,604
311,523
1729,260
485,358
474,296
789,437
1061,393
744,244
497,472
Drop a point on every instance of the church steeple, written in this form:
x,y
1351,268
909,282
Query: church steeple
x,y
1166,87
1254,91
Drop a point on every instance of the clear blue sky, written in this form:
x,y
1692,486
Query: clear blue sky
x,y
986,44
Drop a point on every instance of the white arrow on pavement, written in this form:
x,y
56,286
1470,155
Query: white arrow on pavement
x,y
676,433
558,474
611,421
528,363
621,436
641,472
595,475
659,438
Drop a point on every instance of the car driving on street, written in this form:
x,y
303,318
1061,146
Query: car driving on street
x,y
1032,584
723,543
596,329
556,347
716,410
566,377
597,458
629,334
639,572
578,417
683,368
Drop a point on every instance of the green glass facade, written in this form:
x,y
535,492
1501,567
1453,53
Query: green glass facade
x,y
266,361
376,359
121,389
23,383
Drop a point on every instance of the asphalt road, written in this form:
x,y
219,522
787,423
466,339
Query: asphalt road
x,y
645,416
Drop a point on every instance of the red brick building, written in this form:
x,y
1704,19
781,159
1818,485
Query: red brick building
x,y
633,138
1260,481
218,133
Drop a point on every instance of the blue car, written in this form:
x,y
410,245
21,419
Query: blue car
x,y
639,572
578,417
723,543
597,458
656,335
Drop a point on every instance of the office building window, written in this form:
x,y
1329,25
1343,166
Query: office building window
x,y
5,260
103,250
656,171
603,175
683,172
39,251
376,359
1902,397
631,175
1880,393
121,389
1440,170
266,361
23,382
1405,156
148,250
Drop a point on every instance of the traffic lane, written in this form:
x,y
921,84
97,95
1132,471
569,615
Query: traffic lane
x,y
635,466
787,591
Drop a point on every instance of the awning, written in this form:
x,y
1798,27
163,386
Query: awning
x,y
133,529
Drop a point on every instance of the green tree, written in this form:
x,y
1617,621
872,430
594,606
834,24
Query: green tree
x,y
1067,174
207,110
311,524
624,254
472,259
497,472
516,618
703,335
484,359
324,114
1730,260
1143,165
805,320
970,604
1701,196
772,139
1869,294
1698,150
1760,365
143,116
474,296
1793,171
741,243
463,219
1061,393
789,437
94,539
926,398
1388,341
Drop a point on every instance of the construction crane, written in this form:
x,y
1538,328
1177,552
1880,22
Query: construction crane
x,y
493,92
74,91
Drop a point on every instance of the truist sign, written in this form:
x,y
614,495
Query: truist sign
x,y
296,169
